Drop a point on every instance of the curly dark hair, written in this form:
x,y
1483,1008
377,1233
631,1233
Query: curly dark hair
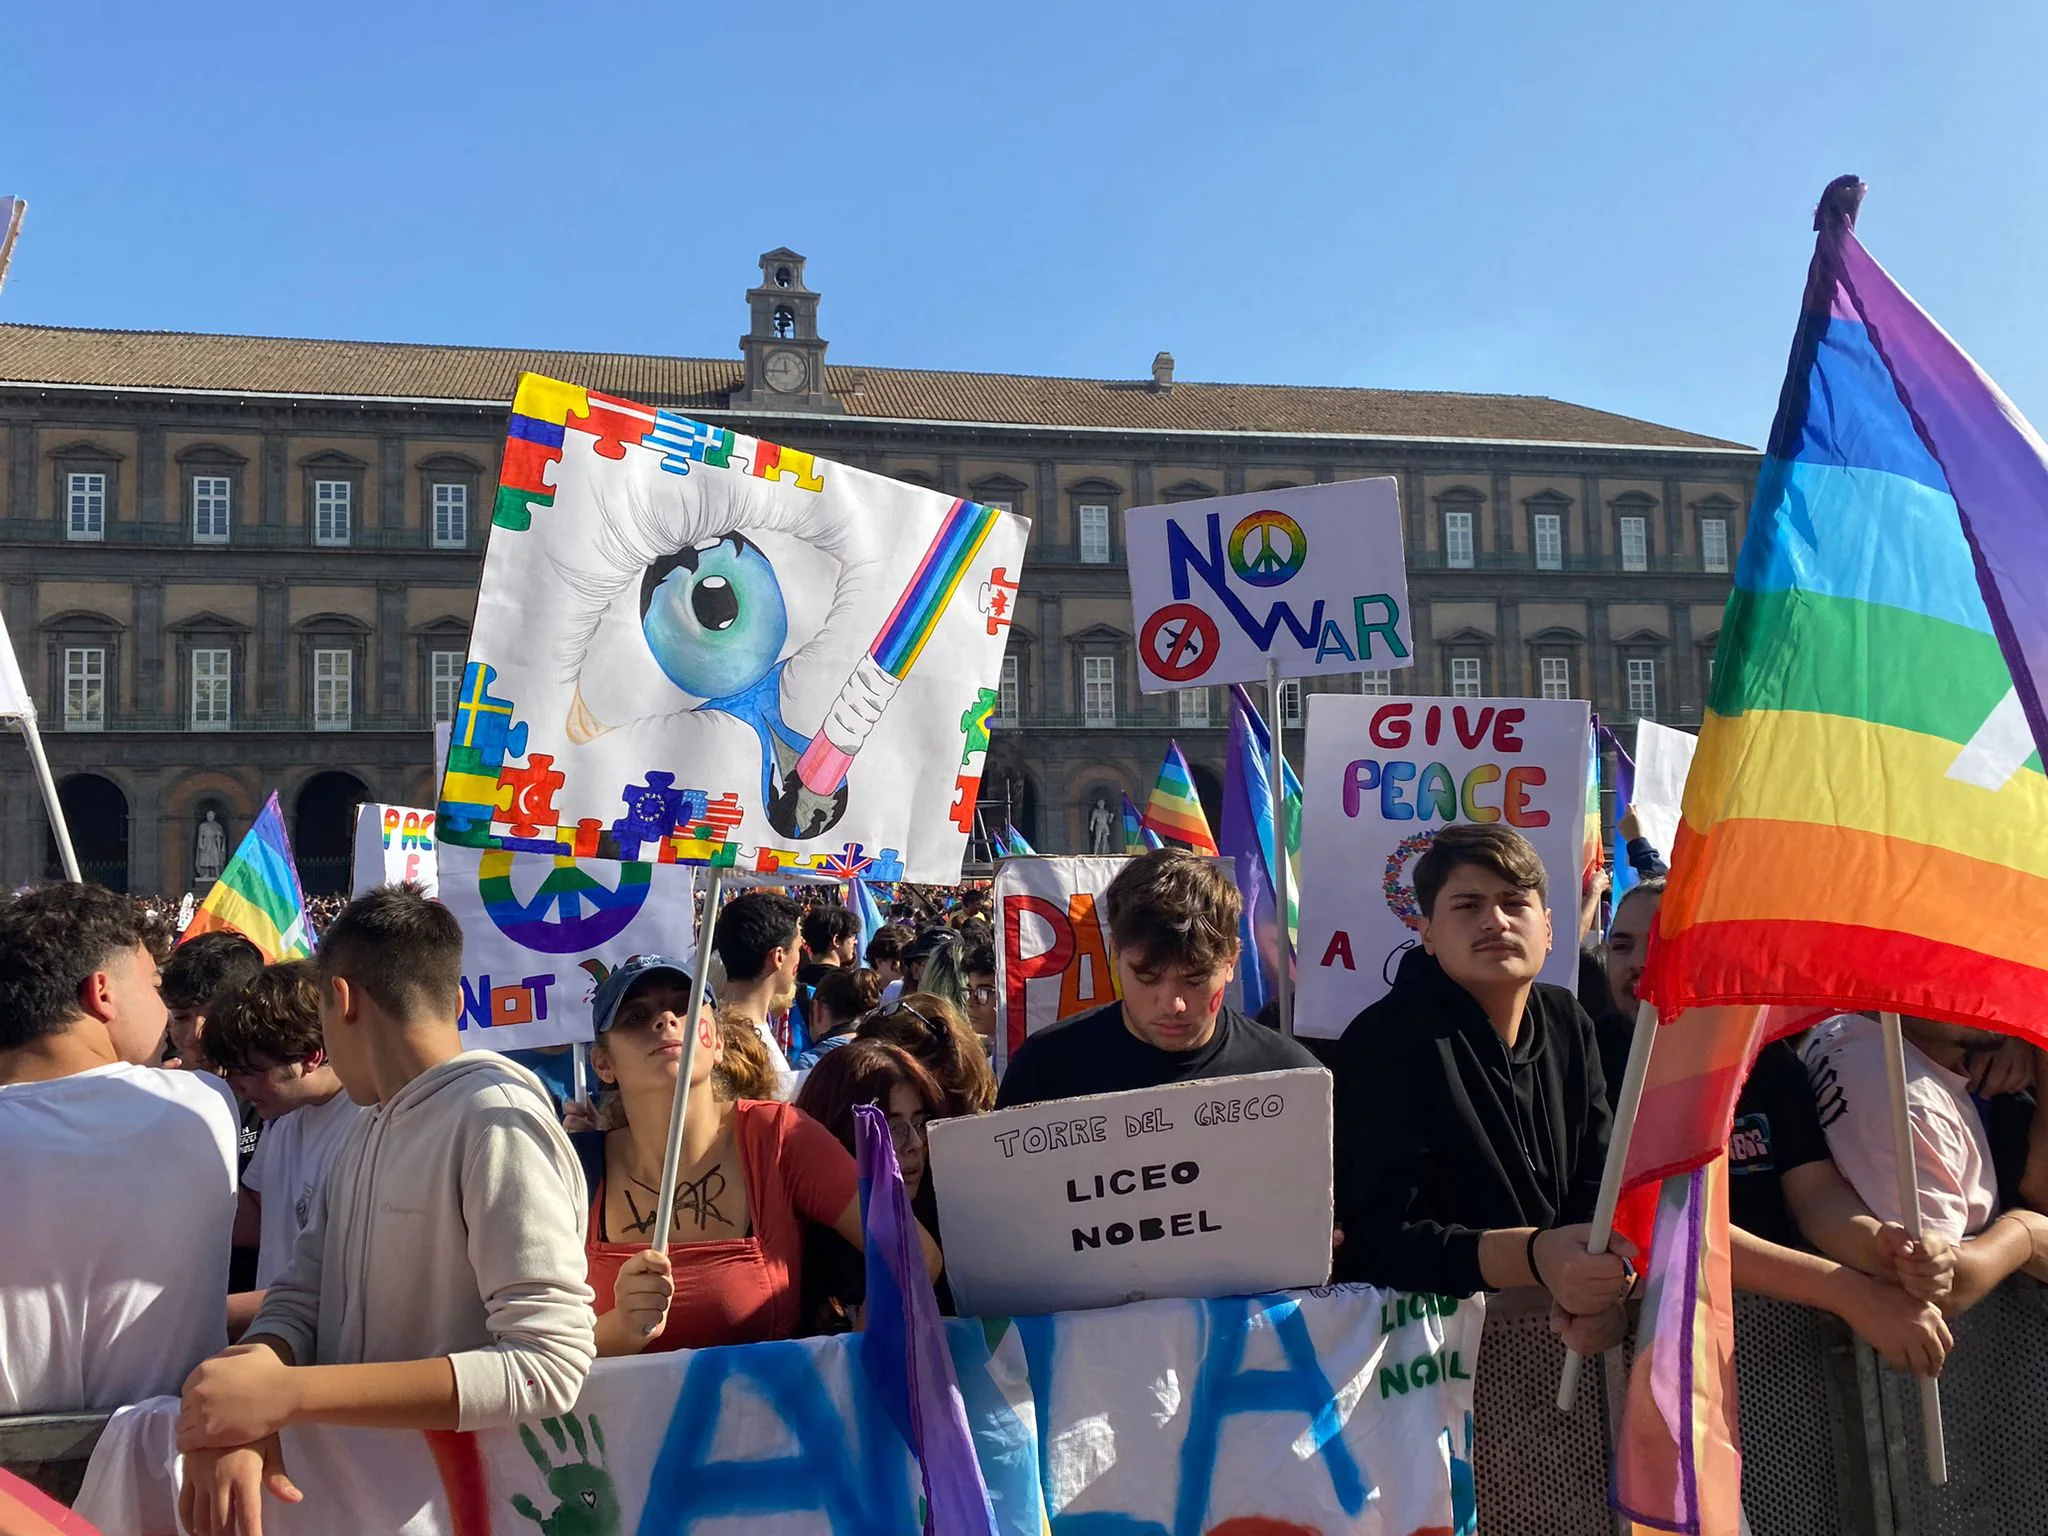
x,y
206,965
272,1021
51,940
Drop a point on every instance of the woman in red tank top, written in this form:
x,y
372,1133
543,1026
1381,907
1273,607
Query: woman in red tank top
x,y
750,1173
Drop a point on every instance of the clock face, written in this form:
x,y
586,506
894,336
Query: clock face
x,y
785,372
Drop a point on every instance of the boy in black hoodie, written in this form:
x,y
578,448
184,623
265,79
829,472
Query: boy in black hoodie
x,y
1472,1113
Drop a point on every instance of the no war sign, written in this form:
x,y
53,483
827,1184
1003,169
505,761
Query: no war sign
x,y
1312,576
1381,778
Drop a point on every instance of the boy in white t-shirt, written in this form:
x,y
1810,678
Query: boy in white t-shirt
x,y
266,1041
119,1187
1951,1155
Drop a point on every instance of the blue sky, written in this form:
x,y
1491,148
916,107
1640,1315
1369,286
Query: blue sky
x,y
1606,203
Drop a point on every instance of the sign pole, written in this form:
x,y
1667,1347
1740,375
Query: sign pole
x,y
664,1211
1618,1137
1909,1218
1276,771
58,826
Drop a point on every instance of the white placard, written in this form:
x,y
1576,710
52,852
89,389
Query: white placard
x,y
539,933
1663,759
1381,777
394,845
1313,575
1216,1188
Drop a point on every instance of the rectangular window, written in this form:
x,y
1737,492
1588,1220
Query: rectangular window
x,y
451,516
1379,684
1098,690
1458,540
1290,702
209,509
1009,692
447,678
85,688
332,674
1000,504
1642,688
1194,706
1714,543
210,689
86,496
1464,677
1555,674
1549,541
1094,523
1635,544
331,511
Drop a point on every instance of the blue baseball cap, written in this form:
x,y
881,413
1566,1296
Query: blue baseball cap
x,y
611,992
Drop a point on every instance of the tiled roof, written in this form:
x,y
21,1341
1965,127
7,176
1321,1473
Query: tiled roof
x,y
403,370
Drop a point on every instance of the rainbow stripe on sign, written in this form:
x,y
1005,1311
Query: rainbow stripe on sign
x,y
1174,810
1866,824
258,894
917,612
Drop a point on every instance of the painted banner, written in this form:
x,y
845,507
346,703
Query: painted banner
x,y
694,646
1052,945
1663,760
1309,1414
1218,586
394,846
1382,775
1211,1188
539,934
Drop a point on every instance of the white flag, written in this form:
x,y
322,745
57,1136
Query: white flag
x,y
15,702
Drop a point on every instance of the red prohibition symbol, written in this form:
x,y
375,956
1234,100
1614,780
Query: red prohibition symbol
x,y
1180,641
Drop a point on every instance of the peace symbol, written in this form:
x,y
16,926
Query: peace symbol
x,y
1267,548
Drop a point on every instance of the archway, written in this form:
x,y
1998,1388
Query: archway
x,y
97,813
324,829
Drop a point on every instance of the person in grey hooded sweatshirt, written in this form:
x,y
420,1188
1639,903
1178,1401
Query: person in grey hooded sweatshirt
x,y
439,1282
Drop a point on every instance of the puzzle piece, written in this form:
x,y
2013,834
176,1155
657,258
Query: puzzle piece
x,y
583,844
724,813
772,461
652,810
996,599
615,423
484,725
888,866
733,450
549,400
966,791
526,796
975,724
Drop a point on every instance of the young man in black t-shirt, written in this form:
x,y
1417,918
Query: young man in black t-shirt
x,y
1173,939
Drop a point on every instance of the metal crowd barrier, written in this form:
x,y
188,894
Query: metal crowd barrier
x,y
1830,1438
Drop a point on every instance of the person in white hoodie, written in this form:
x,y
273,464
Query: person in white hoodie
x,y
439,1282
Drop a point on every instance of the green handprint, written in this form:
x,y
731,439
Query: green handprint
x,y
586,1503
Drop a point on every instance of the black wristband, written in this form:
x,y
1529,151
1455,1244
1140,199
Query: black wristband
x,y
1529,1255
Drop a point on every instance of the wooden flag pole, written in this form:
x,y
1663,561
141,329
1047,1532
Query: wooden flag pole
x,y
1909,1218
664,1211
1283,981
1618,1137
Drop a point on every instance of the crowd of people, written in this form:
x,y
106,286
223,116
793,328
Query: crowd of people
x,y
287,1193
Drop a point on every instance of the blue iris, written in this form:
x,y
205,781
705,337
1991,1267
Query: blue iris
x,y
714,616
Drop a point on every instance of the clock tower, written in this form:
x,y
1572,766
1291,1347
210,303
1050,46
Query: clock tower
x,y
785,357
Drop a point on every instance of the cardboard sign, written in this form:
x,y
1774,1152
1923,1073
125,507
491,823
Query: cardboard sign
x,y
394,845
539,934
1216,1188
1382,777
1052,945
1663,760
1313,575
696,646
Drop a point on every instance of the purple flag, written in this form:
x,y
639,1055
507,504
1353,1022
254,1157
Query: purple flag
x,y
903,1344
1997,470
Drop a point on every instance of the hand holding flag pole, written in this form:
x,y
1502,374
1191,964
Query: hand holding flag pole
x,y
664,1210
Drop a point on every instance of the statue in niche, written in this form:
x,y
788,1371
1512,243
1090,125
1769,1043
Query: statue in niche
x,y
210,851
1101,823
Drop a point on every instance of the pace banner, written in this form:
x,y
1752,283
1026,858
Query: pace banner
x,y
394,846
539,934
1381,778
1308,1413
1313,576
696,646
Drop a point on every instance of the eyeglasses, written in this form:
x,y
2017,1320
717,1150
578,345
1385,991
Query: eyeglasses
x,y
983,994
907,1136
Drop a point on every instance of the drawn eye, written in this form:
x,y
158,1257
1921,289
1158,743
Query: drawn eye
x,y
714,616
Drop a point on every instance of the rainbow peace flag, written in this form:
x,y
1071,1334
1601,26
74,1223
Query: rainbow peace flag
x,y
1866,825
1174,811
1137,836
258,894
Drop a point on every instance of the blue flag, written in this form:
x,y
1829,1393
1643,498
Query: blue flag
x,y
1247,840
